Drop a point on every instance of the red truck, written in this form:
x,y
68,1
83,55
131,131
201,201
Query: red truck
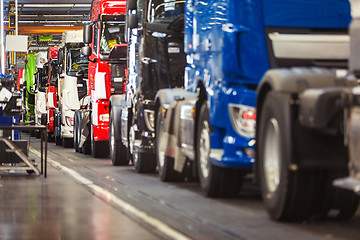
x,y
51,96
106,48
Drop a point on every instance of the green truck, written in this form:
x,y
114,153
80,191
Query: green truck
x,y
29,91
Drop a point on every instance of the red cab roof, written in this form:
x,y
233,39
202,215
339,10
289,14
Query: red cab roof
x,y
107,7
52,52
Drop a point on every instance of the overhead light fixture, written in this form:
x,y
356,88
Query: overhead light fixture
x,y
57,5
49,16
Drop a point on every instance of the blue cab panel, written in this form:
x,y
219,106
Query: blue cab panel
x,y
228,51
307,13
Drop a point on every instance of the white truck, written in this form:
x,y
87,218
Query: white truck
x,y
40,92
70,62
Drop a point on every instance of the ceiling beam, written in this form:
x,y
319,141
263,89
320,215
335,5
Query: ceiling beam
x,y
26,30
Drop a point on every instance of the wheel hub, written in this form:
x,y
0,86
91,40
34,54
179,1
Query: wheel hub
x,y
272,155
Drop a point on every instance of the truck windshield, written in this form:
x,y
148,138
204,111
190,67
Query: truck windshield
x,y
112,33
165,11
76,61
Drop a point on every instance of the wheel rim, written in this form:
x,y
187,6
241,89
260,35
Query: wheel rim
x,y
112,138
204,150
161,144
272,155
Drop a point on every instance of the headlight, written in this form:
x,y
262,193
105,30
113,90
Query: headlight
x,y
243,119
69,121
150,119
104,117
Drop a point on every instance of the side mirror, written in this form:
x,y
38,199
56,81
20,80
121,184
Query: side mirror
x,y
86,51
132,21
131,4
87,34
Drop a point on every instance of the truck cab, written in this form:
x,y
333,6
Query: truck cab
x,y
70,61
51,91
302,134
209,126
40,88
104,35
157,61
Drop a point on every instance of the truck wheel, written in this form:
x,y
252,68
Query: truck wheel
x,y
143,162
44,119
118,152
58,140
287,194
76,131
215,181
165,164
51,137
336,203
37,134
346,204
86,148
68,142
99,149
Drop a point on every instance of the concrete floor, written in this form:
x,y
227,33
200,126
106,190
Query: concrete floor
x,y
57,207
65,207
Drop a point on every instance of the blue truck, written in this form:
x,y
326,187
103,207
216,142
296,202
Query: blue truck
x,y
307,117
207,128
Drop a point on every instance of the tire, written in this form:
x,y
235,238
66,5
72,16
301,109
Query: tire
x,y
143,162
215,181
37,134
86,148
68,142
335,203
118,152
165,164
287,195
51,137
99,149
58,140
44,119
76,131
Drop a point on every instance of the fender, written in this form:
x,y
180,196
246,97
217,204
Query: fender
x,y
166,96
117,102
297,80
